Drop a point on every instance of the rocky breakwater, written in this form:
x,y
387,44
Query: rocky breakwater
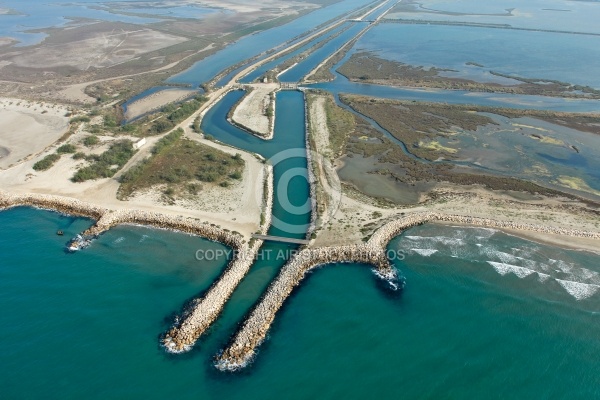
x,y
392,229
64,205
202,312
242,347
163,221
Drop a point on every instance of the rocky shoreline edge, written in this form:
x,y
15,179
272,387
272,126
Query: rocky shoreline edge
x,y
107,218
244,344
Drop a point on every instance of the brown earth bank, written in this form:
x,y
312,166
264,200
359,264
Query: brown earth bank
x,y
367,67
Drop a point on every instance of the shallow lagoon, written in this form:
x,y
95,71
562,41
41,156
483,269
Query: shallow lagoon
x,y
563,15
39,14
534,150
569,58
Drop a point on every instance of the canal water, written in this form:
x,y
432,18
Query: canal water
x,y
249,46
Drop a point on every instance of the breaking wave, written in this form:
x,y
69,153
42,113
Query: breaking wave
x,y
424,252
523,260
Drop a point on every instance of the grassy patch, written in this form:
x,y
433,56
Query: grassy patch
x,y
164,120
90,141
184,165
106,164
340,123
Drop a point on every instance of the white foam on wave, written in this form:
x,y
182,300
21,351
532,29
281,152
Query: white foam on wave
x,y
119,240
562,265
578,290
449,241
424,252
543,277
504,269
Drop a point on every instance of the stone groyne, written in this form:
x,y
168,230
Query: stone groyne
x,y
204,311
392,229
163,221
106,218
243,346
57,203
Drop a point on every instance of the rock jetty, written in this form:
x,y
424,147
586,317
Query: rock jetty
x,y
57,203
392,229
188,225
204,311
243,346
254,330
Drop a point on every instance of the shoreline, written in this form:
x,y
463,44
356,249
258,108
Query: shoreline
x,y
106,218
551,239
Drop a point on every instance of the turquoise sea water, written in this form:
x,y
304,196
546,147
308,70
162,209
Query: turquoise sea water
x,y
86,325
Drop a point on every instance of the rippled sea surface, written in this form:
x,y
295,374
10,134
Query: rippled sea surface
x,y
482,313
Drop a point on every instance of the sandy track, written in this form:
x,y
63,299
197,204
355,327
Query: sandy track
x,y
251,113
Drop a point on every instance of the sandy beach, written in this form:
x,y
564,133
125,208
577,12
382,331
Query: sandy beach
x,y
236,208
28,127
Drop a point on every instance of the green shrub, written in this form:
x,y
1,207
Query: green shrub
x,y
66,148
81,118
79,155
91,140
110,121
46,162
161,126
194,188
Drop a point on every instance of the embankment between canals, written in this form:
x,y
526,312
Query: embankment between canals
x,y
243,346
